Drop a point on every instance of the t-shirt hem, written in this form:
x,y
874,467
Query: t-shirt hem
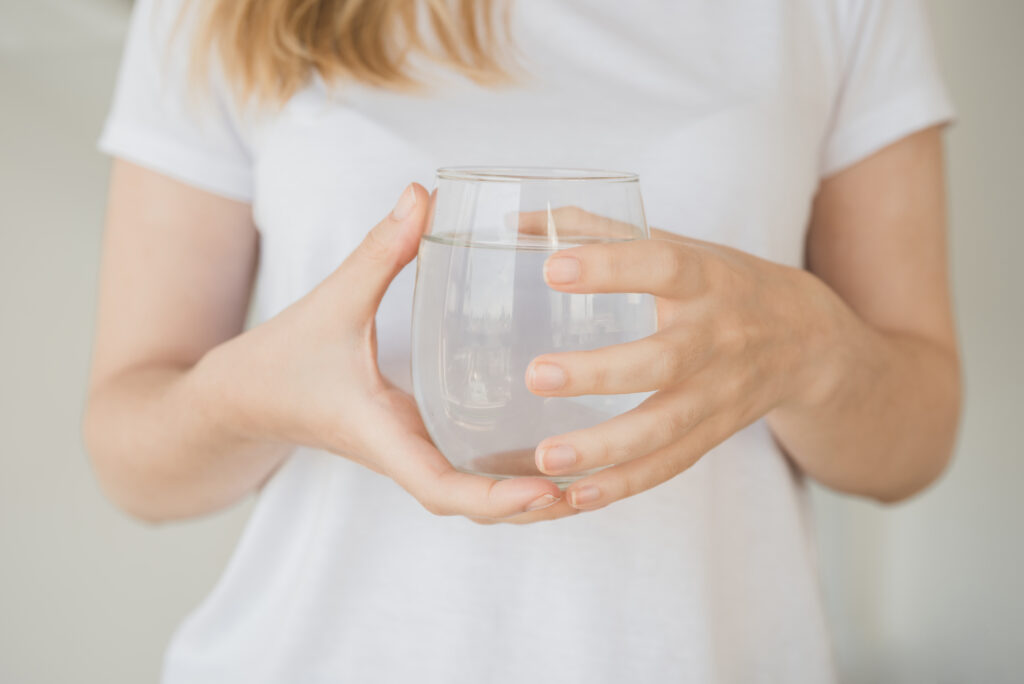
x,y
149,149
205,673
913,111
178,674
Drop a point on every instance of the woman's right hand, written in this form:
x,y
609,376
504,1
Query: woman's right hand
x,y
309,376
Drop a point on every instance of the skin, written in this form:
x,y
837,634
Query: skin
x,y
187,414
853,362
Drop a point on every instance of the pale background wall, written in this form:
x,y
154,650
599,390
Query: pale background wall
x,y
929,591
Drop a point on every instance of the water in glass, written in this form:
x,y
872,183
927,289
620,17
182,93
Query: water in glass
x,y
482,313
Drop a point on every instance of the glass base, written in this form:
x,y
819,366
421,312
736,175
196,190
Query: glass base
x,y
516,463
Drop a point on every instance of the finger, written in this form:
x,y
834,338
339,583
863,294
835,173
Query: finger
x,y
639,475
645,365
417,466
573,222
659,421
365,275
665,268
560,509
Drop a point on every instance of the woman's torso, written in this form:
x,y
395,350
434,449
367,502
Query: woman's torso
x,y
721,108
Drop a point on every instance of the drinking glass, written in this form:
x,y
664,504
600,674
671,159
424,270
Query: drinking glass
x,y
483,311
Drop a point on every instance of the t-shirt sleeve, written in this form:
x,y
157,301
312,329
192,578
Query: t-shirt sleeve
x,y
161,121
890,86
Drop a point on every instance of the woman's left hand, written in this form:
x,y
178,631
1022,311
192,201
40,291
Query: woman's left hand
x,y
737,337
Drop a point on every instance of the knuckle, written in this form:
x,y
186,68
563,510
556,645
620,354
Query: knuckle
x,y
490,507
376,246
662,470
688,416
673,264
631,486
702,344
655,429
434,506
613,452
718,273
646,413
570,220
657,470
676,422
669,427
730,334
605,452
668,362
430,507
695,278
680,257
575,215
735,385
665,427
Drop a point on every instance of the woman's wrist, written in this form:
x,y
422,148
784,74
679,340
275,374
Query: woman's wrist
x,y
825,335
247,392
216,393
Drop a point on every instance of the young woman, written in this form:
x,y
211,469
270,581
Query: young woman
x,y
790,154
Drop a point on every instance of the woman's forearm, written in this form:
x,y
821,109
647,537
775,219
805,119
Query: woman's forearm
x,y
161,453
884,416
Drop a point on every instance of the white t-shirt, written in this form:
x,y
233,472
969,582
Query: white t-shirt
x,y
731,112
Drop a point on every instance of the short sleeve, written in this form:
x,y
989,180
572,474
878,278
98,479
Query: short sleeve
x,y
890,86
158,120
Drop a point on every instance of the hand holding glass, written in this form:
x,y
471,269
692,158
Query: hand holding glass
x,y
483,310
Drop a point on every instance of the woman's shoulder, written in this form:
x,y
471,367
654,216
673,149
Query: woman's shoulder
x,y
169,117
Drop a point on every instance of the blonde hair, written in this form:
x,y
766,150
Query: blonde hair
x,y
269,49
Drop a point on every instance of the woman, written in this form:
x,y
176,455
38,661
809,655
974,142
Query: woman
x,y
791,154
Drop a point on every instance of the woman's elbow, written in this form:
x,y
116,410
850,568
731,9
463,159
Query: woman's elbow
x,y
935,453
125,484
904,489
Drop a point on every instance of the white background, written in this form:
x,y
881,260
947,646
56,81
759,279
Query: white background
x,y
928,591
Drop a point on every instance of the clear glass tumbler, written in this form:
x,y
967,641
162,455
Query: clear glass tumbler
x,y
483,311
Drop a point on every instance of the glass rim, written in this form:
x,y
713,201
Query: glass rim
x,y
532,174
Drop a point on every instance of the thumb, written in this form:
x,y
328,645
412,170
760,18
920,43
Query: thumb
x,y
364,276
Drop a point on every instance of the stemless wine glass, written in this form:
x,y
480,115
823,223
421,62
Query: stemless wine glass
x,y
482,310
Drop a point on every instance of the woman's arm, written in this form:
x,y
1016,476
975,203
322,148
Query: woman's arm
x,y
177,271
854,363
187,414
884,422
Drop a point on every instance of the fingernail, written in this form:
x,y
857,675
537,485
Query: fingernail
x,y
546,376
406,203
557,457
562,270
584,495
541,502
